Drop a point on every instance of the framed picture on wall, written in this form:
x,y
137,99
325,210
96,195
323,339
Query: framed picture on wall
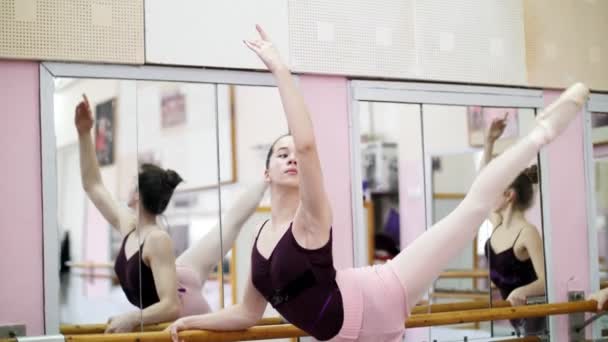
x,y
173,109
105,132
480,118
599,128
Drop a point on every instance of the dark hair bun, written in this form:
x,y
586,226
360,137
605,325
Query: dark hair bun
x,y
172,178
532,173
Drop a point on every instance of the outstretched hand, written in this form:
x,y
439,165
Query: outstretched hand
x,y
264,48
83,117
174,329
497,128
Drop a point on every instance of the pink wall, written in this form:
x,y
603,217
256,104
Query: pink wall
x,y
568,218
21,298
327,100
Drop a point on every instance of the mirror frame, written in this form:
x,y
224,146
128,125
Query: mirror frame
x,y
51,70
597,103
438,93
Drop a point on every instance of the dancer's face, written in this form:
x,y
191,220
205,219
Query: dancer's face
x,y
283,167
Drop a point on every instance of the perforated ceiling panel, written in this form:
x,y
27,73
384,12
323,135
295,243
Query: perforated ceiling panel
x,y
356,37
73,30
567,43
472,41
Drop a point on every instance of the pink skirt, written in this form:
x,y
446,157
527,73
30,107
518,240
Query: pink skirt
x,y
375,304
190,292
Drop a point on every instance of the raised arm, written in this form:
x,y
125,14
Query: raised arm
x,y
92,183
315,206
497,127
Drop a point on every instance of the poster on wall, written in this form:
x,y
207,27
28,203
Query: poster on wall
x,y
480,118
599,128
173,109
105,132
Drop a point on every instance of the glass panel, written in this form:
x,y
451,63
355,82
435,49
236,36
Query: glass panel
x,y
391,157
177,131
97,160
599,135
250,118
454,142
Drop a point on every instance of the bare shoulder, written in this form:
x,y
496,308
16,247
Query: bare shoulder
x,y
530,232
158,242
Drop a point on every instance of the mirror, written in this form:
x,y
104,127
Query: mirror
x,y
255,115
145,128
498,260
391,169
178,130
89,289
599,169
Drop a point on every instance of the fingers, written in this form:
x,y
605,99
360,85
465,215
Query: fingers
x,y
174,336
252,46
87,105
506,116
262,33
109,326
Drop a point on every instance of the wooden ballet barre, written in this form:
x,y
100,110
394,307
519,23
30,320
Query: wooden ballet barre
x,y
458,274
89,265
183,336
79,329
415,321
460,295
94,275
253,333
504,313
462,306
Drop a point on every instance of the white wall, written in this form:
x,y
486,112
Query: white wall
x,y
189,148
210,33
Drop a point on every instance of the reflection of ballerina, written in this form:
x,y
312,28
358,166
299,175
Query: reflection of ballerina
x,y
515,248
292,265
170,287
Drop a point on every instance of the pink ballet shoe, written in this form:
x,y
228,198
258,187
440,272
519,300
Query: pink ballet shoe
x,y
556,117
